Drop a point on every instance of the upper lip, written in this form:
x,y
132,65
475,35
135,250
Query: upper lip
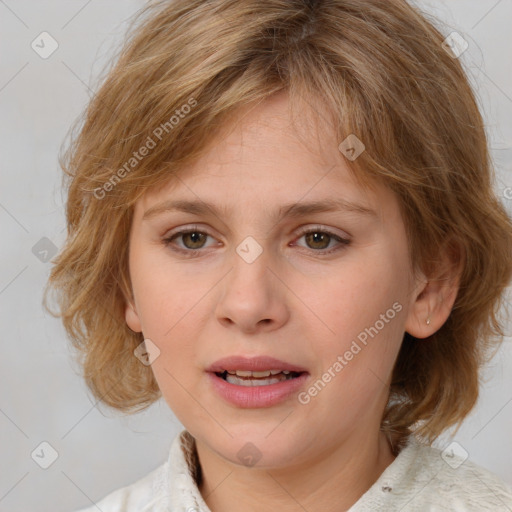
x,y
255,364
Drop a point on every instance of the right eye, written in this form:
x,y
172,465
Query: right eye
x,y
192,240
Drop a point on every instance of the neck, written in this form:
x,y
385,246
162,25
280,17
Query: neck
x,y
333,481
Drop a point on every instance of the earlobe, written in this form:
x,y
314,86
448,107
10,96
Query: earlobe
x,y
434,300
419,320
132,318
430,311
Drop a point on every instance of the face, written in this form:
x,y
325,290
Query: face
x,y
328,291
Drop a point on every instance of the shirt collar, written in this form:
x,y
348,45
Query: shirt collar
x,y
179,485
183,476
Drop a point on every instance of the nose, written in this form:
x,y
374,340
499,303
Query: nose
x,y
252,297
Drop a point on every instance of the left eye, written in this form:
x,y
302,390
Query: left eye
x,y
321,239
192,239
317,239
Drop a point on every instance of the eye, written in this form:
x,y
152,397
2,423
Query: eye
x,y
319,239
192,239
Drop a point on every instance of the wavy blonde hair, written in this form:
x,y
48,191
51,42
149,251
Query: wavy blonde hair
x,y
376,69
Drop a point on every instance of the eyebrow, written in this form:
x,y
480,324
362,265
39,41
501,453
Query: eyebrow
x,y
292,210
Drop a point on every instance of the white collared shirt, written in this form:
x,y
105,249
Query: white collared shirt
x,y
420,479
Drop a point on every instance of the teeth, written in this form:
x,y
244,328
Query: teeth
x,y
244,373
265,373
257,375
235,379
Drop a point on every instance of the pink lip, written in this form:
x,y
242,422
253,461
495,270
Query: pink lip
x,y
254,364
257,396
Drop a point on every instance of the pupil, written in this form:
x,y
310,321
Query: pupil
x,y
196,238
314,238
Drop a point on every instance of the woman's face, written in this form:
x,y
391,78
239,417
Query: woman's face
x,y
254,278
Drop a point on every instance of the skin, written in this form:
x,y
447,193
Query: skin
x,y
292,303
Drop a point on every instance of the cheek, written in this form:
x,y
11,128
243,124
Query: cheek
x,y
353,297
168,296
364,314
171,305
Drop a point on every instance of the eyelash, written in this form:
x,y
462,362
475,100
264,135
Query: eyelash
x,y
194,229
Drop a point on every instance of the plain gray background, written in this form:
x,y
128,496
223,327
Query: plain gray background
x,y
42,397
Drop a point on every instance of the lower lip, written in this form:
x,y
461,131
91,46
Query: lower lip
x,y
257,396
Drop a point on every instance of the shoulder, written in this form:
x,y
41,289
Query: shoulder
x,y
457,483
144,495
425,478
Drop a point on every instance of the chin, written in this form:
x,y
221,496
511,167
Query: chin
x,y
253,449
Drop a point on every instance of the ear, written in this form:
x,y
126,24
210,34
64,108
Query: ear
x,y
435,295
132,317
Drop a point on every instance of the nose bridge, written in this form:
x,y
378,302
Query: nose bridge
x,y
251,295
250,278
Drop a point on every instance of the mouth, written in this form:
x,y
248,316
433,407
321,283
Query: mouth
x,y
255,381
252,371
250,378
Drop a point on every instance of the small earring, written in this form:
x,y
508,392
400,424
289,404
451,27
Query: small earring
x,y
428,320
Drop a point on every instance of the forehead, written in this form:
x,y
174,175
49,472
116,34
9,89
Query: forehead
x,y
268,154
